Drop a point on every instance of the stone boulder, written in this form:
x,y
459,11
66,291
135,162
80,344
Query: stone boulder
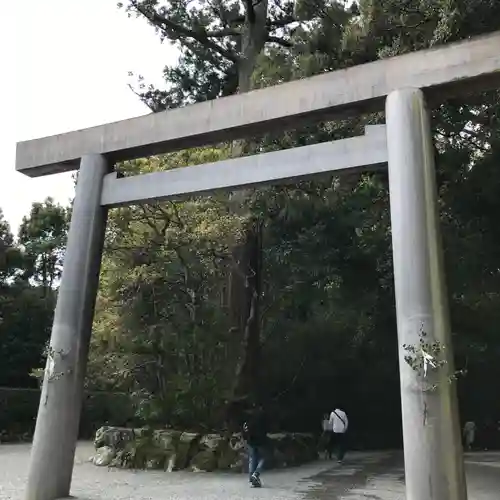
x,y
207,453
211,441
115,437
187,448
232,454
104,456
163,452
204,461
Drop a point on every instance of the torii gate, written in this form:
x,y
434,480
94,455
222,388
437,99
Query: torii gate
x,y
432,448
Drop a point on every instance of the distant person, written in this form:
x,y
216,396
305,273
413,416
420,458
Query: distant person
x,y
326,438
469,434
340,424
486,435
325,424
255,435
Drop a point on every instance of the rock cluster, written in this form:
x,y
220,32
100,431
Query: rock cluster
x,y
176,450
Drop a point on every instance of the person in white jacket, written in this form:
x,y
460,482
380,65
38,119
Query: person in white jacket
x,y
339,424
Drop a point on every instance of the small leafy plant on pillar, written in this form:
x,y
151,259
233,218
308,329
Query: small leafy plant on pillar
x,y
49,371
427,359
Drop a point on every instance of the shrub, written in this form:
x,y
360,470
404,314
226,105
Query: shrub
x,y
19,407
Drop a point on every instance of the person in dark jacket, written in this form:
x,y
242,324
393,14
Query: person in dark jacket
x,y
255,435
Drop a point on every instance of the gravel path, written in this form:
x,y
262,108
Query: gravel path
x,y
101,483
364,476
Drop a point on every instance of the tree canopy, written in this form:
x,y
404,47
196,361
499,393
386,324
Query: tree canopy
x,y
29,269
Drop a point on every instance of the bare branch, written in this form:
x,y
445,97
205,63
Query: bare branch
x,y
134,91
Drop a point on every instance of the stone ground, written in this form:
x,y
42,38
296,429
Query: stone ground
x,y
364,476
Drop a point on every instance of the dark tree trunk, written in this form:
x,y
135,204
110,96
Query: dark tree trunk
x,y
245,297
245,279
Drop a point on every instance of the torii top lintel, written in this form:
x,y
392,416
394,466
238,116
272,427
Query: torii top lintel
x,y
449,70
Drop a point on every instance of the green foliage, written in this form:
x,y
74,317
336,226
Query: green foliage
x,y
18,413
11,260
43,235
105,408
25,313
29,270
161,326
24,330
19,409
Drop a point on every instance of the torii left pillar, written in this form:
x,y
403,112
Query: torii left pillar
x,y
56,433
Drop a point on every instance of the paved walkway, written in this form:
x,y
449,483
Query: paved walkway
x,y
365,476
380,476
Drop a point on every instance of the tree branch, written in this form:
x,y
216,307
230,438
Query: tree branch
x,y
196,50
279,41
280,23
468,140
177,214
178,31
222,33
160,233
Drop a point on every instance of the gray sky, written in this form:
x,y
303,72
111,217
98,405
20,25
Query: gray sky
x,y
63,66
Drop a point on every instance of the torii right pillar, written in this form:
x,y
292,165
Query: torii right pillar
x,y
434,467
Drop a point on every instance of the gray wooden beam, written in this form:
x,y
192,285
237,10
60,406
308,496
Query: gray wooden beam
x,y
447,70
267,168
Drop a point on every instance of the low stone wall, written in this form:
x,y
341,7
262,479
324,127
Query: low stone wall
x,y
176,450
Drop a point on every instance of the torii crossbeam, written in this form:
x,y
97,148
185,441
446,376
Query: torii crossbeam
x,y
433,452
